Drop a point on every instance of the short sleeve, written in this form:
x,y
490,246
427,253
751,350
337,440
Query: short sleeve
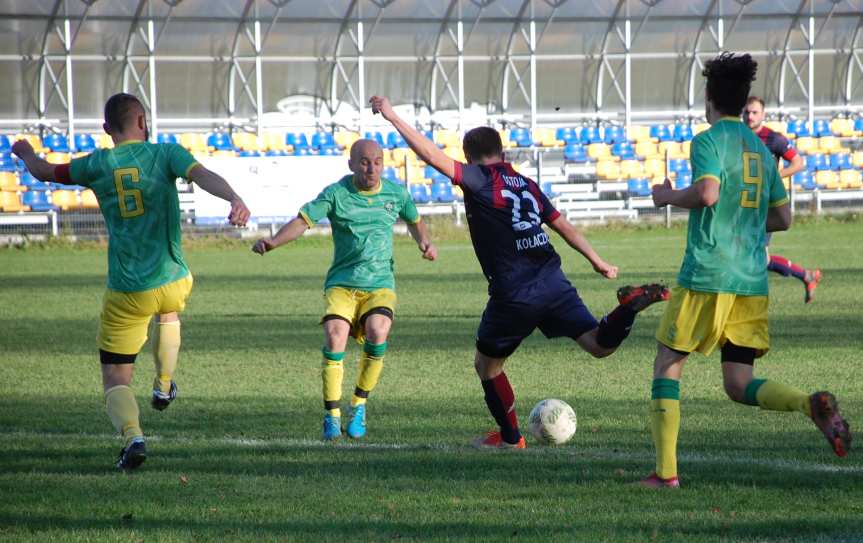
x,y
180,160
318,209
778,196
409,212
79,171
705,160
469,177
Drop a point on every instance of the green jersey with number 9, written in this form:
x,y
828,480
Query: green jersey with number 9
x,y
135,184
725,242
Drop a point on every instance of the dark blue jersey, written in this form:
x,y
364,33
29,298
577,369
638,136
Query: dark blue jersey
x,y
777,144
505,211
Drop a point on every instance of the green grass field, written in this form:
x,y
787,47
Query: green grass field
x,y
238,456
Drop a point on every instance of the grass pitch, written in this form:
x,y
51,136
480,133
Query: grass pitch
x,y
238,456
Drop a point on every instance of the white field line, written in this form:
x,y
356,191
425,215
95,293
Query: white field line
x,y
592,454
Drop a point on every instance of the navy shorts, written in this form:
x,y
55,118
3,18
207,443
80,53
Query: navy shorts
x,y
552,306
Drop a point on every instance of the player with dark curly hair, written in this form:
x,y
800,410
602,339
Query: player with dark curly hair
x,y
721,297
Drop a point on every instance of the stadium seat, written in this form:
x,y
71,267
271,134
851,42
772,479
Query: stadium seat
x,y
7,162
842,127
396,141
646,149
598,151
85,143
547,138
37,200
827,179
323,140
590,135
624,150
521,137
164,137
804,180
660,132
851,178
639,133
683,180
547,190
442,192
10,202
31,183
858,127
778,126
841,161
672,148
9,182
798,128
193,141
614,134
34,140
639,187
5,144
247,154
247,141
680,165
655,167
219,141
567,135
504,139
104,141
302,151
420,194
829,144
455,153
58,158
297,141
821,128
608,169
631,169
806,144
378,137
345,138
699,128
64,199
88,199
682,132
857,159
575,152
56,142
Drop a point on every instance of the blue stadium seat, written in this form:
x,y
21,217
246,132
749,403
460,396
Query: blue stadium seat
x,y
858,124
442,192
615,134
248,153
575,152
679,165
562,134
841,162
302,151
281,152
297,140
395,141
330,151
420,194
7,163
220,141
26,179
376,136
683,180
5,144
547,190
639,187
798,128
56,142
682,132
84,143
803,180
389,173
521,137
166,138
591,134
624,150
821,128
816,162
37,200
660,132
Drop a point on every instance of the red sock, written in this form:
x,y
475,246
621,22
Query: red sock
x,y
784,266
501,402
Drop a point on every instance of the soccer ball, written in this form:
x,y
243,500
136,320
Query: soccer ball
x,y
552,422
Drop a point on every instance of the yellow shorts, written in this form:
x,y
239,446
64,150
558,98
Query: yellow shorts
x,y
352,305
701,321
126,315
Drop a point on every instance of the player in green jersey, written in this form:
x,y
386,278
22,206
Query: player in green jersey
x,y
148,278
721,298
359,291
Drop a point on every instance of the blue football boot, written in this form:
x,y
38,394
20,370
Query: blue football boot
x,y
357,426
332,427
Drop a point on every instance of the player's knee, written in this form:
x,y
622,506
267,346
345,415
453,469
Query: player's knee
x,y
601,352
735,390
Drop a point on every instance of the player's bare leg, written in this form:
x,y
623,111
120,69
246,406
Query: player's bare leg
x,y
336,333
665,416
377,328
500,399
165,341
123,411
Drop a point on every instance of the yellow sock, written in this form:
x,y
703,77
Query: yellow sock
x,y
665,424
166,350
332,374
777,397
371,366
123,411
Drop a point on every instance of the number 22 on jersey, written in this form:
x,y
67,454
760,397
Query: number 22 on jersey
x,y
124,193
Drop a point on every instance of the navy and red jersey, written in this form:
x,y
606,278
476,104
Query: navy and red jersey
x,y
777,144
505,211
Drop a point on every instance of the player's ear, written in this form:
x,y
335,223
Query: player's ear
x,y
142,122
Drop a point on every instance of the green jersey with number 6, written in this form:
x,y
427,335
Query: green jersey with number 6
x,y
135,184
725,242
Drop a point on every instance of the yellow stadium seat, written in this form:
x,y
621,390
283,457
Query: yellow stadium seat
x,y
843,127
10,202
599,151
64,199
639,134
699,128
447,138
777,126
88,199
455,153
58,158
273,141
857,159
9,181
631,169
686,149
223,154
851,179
194,142
504,138
247,141
828,179
655,167
806,145
646,148
608,169
546,137
105,142
672,148
345,138
829,144
34,140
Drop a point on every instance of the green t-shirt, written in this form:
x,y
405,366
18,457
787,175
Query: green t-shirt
x,y
135,184
725,242
362,223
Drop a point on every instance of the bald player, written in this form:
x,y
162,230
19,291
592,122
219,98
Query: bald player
x,y
359,291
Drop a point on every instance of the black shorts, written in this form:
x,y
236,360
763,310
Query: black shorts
x,y
553,306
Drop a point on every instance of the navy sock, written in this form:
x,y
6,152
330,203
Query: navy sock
x,y
615,327
785,267
500,400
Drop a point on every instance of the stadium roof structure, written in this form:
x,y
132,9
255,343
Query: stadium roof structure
x,y
211,63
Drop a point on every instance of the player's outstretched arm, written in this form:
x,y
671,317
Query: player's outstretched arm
x,y
214,184
779,218
419,232
703,193
422,146
577,241
40,168
287,233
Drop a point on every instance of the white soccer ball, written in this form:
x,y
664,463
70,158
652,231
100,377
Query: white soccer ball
x,y
552,422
